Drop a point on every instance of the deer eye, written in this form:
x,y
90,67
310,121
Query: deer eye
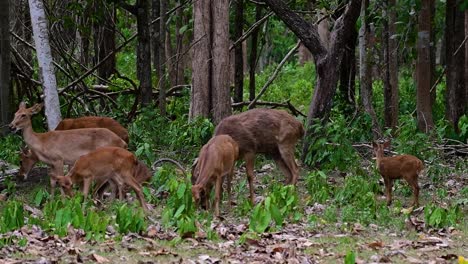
x,y
23,115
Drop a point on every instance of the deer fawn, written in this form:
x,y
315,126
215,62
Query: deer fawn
x,y
216,159
56,148
266,131
406,167
29,159
106,164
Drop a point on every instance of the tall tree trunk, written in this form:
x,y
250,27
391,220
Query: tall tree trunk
x,y
105,39
433,53
162,73
253,54
144,51
238,52
454,33
44,57
221,100
424,110
5,100
390,66
365,75
201,66
179,65
466,61
155,11
348,74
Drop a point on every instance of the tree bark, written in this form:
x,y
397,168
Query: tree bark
x,y
423,104
162,72
221,100
44,57
253,54
454,35
104,38
348,74
365,75
238,52
5,100
144,51
391,68
155,11
201,67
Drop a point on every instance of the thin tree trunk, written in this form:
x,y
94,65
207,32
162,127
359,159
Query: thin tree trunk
x,y
348,74
253,54
201,68
179,65
44,57
144,52
364,70
423,105
155,11
433,53
162,73
220,78
238,52
465,110
5,100
105,38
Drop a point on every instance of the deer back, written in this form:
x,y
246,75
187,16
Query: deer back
x,y
94,122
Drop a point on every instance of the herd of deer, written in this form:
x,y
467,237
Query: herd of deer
x,y
95,147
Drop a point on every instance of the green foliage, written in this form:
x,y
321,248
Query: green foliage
x,y
130,219
318,187
179,210
350,258
12,216
9,151
278,206
436,216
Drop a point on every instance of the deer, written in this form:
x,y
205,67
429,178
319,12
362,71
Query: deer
x,y
216,159
28,159
57,148
265,131
106,164
406,167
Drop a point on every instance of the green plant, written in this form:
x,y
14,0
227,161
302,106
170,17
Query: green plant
x,y
438,217
318,187
12,216
350,258
130,219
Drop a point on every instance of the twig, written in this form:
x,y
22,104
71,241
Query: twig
x,y
250,30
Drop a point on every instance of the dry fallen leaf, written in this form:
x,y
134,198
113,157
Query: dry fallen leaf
x,y
99,259
376,245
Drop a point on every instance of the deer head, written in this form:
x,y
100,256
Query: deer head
x,y
23,116
66,183
27,161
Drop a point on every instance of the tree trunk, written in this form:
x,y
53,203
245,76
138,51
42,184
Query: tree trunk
x,y
391,68
5,100
238,52
348,74
365,75
423,105
253,54
179,65
44,57
155,11
144,51
201,67
162,73
454,35
221,100
104,38
466,62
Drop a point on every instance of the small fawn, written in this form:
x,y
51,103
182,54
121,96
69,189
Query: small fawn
x,y
406,167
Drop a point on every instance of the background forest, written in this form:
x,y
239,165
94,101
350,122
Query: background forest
x,y
169,71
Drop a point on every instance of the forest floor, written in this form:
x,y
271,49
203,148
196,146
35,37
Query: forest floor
x,y
407,239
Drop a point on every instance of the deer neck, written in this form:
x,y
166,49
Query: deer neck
x,y
378,160
30,137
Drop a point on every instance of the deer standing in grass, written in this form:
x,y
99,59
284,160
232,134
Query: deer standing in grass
x,y
406,167
215,160
106,164
56,148
267,131
29,158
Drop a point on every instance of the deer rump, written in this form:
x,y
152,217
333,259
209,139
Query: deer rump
x,y
94,122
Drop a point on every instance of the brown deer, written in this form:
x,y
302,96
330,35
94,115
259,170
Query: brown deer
x,y
406,167
215,160
267,131
29,159
106,164
56,148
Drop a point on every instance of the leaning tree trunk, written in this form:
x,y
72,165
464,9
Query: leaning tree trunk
x,y
162,41
44,57
221,102
423,105
390,62
364,70
201,67
238,53
4,67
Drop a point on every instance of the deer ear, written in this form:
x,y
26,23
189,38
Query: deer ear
x,y
386,144
36,108
22,105
374,144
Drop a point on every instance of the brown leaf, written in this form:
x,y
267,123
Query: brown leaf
x,y
99,259
152,231
376,245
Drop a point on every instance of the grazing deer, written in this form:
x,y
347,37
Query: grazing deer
x,y
215,160
56,148
406,167
267,131
29,159
106,164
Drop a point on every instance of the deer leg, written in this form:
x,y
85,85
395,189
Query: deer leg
x,y
229,180
219,182
284,168
388,190
287,154
56,170
130,181
249,166
86,185
413,182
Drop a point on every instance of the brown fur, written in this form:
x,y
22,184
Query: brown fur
x,y
105,164
406,167
29,159
56,148
216,159
268,131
